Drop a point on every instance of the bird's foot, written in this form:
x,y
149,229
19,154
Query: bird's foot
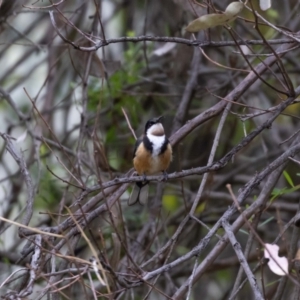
x,y
144,178
144,182
166,177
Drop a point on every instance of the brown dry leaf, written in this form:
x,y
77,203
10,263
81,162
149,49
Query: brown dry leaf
x,y
212,20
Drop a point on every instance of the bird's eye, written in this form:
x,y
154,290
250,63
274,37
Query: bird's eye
x,y
149,124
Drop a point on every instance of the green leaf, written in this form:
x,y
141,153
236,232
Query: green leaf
x,y
200,208
170,203
288,178
266,222
244,231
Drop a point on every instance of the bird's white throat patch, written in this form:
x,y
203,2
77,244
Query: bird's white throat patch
x,y
156,129
157,143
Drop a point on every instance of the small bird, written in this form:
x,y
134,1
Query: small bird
x,y
152,154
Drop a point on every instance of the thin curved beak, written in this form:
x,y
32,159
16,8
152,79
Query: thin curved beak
x,y
158,119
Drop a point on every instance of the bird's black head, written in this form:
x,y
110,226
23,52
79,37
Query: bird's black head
x,y
151,122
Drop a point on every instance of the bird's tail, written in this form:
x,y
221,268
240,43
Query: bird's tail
x,y
139,193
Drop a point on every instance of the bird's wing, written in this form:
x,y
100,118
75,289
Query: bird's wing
x,y
137,143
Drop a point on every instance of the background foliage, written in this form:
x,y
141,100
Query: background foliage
x,y
71,73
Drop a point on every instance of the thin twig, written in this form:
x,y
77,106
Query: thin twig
x,y
27,178
243,261
128,123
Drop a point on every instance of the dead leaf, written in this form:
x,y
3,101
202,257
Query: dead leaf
x,y
213,20
265,4
278,265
